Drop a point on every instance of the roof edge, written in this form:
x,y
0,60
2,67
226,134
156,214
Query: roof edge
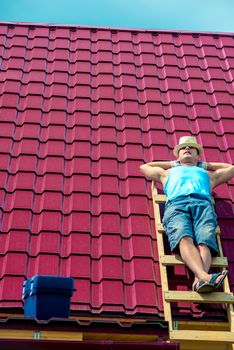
x,y
148,30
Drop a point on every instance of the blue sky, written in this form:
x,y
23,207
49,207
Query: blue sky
x,y
200,15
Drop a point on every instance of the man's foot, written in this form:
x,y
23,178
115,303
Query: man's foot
x,y
217,279
203,287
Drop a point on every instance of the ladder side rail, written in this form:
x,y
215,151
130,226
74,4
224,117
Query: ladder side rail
x,y
230,310
161,253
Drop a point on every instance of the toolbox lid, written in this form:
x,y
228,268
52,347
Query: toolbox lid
x,y
41,284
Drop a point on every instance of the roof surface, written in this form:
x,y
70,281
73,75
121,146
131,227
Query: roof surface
x,y
80,110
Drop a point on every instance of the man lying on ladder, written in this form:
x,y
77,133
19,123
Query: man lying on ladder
x,y
189,218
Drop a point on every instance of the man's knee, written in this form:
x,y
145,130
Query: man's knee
x,y
203,246
187,240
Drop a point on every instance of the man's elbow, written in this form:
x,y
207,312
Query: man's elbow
x,y
147,171
231,171
232,167
143,168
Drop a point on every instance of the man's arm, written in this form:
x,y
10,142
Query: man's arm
x,y
161,164
222,174
213,166
154,172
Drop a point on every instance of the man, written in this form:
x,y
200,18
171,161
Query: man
x,y
189,217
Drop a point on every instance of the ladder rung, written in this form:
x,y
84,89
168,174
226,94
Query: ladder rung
x,y
170,260
219,326
160,198
161,229
210,336
214,297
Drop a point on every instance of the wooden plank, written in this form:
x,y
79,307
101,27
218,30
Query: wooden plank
x,y
203,345
160,228
170,260
16,334
211,336
38,334
159,198
202,325
60,335
120,337
214,297
220,261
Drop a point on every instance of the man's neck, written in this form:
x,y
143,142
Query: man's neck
x,y
188,164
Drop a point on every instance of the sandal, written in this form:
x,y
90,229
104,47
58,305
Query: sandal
x,y
203,287
214,277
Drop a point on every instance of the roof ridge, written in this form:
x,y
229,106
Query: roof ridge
x,y
144,30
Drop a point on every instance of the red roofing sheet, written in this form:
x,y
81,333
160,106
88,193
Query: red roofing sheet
x,y
80,110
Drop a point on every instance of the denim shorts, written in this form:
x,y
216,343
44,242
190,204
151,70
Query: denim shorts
x,y
191,216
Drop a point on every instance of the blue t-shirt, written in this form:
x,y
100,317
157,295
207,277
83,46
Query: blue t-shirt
x,y
185,180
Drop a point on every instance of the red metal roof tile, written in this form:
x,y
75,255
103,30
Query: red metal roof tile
x,y
18,200
79,112
102,294
84,296
105,223
14,241
106,203
46,242
77,182
76,243
9,100
108,245
134,205
75,222
140,270
16,219
47,201
104,150
105,184
77,266
8,265
50,164
103,167
76,202
43,264
135,224
11,296
105,268
45,222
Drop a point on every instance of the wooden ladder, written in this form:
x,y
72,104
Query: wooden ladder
x,y
193,335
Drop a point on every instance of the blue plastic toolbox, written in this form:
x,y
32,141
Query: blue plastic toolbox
x,y
47,296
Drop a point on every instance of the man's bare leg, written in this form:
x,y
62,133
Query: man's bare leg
x,y
198,259
206,257
192,258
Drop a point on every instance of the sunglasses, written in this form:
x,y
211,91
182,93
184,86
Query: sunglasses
x,y
188,147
